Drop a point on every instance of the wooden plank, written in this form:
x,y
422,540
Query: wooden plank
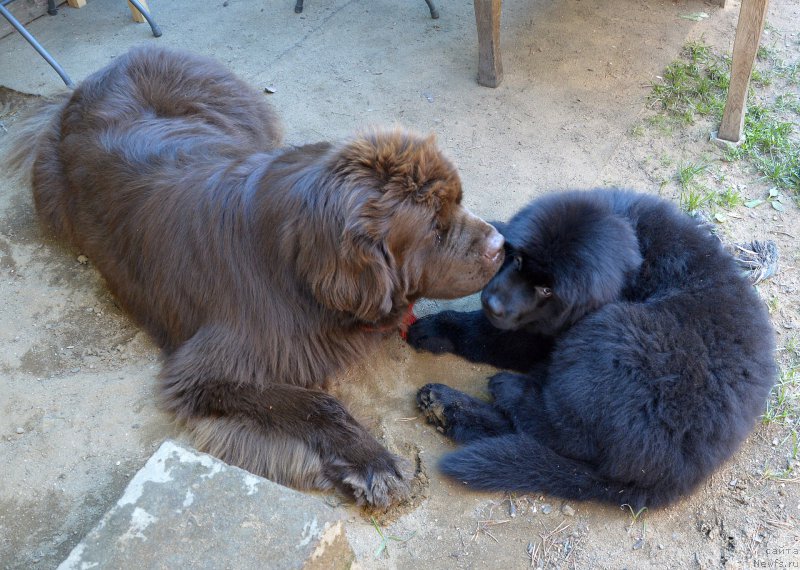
x,y
490,64
745,46
137,17
76,3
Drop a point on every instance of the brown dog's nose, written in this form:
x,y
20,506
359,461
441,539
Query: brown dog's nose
x,y
494,244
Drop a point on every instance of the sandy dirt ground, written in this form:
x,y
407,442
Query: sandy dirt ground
x,y
77,378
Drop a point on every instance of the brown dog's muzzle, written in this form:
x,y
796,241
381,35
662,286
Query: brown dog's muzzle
x,y
494,251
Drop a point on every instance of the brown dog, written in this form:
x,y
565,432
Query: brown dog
x,y
260,270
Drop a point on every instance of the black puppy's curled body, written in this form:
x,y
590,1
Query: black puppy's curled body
x,y
646,356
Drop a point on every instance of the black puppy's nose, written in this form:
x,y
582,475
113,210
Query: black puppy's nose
x,y
494,306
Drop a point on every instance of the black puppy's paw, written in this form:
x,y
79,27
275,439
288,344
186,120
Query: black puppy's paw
x,y
432,399
507,386
458,415
434,333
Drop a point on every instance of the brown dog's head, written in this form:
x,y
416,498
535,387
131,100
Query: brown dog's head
x,y
394,206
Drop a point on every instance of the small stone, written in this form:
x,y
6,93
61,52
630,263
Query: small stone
x,y
547,509
775,441
83,260
20,430
567,511
75,370
661,547
638,544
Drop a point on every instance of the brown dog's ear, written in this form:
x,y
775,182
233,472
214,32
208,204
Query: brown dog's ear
x,y
355,278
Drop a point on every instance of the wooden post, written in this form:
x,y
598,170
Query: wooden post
x,y
490,64
745,46
137,17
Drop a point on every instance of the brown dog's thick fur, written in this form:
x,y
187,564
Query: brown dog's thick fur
x,y
260,269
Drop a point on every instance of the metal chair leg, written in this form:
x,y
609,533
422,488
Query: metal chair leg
x,y
432,8
146,14
36,45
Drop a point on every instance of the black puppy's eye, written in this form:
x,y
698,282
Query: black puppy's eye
x,y
518,262
547,292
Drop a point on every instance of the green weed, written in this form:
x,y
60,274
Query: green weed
x,y
384,545
783,405
696,86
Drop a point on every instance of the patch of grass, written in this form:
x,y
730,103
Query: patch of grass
x,y
792,348
687,174
729,198
783,405
635,516
787,102
770,144
661,123
788,473
696,86
384,545
693,194
773,305
693,85
761,77
790,72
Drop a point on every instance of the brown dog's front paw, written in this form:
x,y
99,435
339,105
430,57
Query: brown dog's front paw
x,y
380,484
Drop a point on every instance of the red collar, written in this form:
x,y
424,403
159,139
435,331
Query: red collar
x,y
408,319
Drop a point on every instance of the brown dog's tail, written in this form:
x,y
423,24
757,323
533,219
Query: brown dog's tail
x,y
35,158
32,129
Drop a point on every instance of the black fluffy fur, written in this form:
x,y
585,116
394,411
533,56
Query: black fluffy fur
x,y
646,356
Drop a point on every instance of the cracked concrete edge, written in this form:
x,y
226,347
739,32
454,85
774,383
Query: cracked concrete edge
x,y
188,509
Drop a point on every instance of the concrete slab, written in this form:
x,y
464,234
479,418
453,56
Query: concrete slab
x,y
186,509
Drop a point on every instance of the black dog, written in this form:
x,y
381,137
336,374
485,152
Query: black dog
x,y
647,356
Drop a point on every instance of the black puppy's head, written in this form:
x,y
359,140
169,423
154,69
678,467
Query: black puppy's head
x,y
567,255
